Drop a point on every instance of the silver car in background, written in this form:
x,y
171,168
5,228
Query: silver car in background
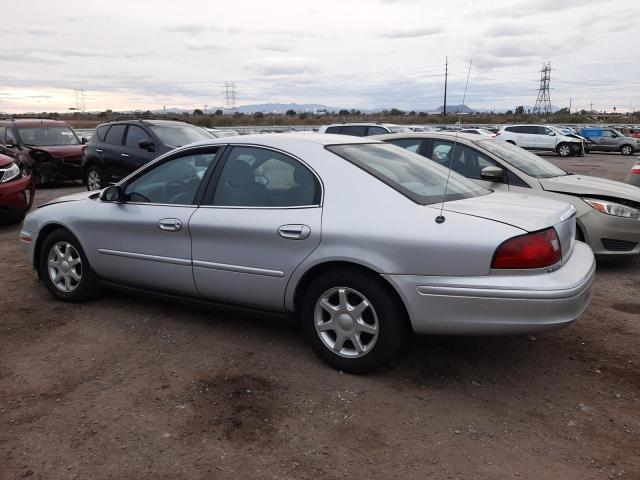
x,y
349,234
608,212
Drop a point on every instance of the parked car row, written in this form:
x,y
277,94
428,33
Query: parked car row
x,y
364,241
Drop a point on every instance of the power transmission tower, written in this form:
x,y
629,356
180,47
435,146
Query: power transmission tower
x,y
82,100
230,96
543,102
446,76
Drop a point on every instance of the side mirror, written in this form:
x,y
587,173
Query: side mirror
x,y
147,145
9,144
84,140
112,194
492,174
552,134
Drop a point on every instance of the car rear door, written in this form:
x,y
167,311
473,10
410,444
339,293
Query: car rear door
x,y
144,240
261,217
110,151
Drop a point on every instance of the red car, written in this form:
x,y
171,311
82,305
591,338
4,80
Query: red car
x,y
50,149
633,177
16,191
634,133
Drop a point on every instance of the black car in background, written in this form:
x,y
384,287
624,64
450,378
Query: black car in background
x,y
118,148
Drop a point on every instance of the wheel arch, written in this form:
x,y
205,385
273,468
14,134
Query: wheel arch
x,y
325,266
43,234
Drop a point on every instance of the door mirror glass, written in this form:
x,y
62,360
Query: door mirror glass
x,y
551,133
112,194
492,174
147,145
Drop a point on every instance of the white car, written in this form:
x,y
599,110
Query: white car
x,y
541,137
364,129
483,132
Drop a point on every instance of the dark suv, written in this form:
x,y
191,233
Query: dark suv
x,y
49,149
118,148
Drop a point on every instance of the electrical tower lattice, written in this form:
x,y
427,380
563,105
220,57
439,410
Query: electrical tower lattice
x,y
543,102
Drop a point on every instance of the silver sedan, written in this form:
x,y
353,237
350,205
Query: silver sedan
x,y
364,241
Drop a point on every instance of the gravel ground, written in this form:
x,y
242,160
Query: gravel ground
x,y
126,387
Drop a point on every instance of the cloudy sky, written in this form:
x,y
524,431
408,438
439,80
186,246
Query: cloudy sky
x,y
345,53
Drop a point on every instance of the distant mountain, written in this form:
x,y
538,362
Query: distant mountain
x,y
455,109
283,107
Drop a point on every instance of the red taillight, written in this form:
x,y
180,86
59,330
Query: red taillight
x,y
533,250
636,168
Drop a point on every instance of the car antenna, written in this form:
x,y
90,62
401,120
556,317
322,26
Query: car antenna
x,y
440,218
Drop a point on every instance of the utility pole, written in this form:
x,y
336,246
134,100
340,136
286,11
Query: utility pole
x,y
446,75
591,108
570,99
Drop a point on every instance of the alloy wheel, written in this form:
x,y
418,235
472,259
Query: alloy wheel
x,y
564,150
346,322
64,265
93,180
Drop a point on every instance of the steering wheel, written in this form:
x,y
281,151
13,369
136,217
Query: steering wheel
x,y
172,189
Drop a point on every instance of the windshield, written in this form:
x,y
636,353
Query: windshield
x,y
521,159
416,177
48,136
179,135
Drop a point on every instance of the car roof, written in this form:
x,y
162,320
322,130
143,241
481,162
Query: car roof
x,y
38,122
275,139
427,135
364,124
146,121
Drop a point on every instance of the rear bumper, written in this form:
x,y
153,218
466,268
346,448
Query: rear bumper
x,y
608,235
16,197
503,303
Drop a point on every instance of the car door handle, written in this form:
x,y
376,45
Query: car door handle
x,y
294,232
124,155
99,150
170,225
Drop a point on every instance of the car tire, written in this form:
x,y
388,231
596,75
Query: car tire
x,y
564,150
94,178
626,149
64,268
345,332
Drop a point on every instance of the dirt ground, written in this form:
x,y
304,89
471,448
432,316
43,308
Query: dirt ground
x,y
126,387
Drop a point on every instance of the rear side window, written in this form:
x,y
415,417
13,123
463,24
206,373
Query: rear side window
x,y
101,131
355,130
411,144
115,134
333,130
377,131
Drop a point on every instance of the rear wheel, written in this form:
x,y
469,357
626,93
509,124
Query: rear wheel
x,y
64,268
564,149
94,178
352,320
626,149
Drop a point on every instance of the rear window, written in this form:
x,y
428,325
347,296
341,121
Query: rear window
x,y
333,130
115,134
101,131
416,177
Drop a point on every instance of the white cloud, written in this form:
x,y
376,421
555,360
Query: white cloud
x,y
414,32
283,65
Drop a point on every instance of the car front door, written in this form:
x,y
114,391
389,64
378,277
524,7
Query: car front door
x,y
545,138
144,240
132,154
608,141
261,217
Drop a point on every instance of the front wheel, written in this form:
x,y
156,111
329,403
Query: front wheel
x,y
564,149
64,268
626,149
94,178
352,320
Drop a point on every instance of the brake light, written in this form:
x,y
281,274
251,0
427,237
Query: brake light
x,y
533,250
636,168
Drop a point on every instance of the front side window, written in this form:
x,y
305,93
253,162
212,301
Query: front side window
x,y
420,180
174,182
135,135
257,177
47,136
180,135
523,160
355,130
